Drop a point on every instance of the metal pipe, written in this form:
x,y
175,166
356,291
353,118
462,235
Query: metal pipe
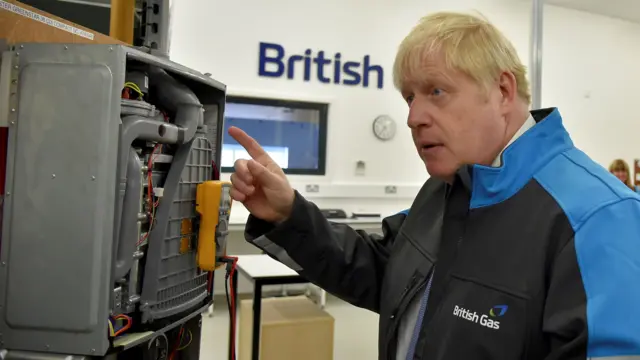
x,y
181,99
537,13
134,274
127,239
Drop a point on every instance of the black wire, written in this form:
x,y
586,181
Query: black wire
x,y
161,352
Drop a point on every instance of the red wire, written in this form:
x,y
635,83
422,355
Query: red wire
x,y
124,328
175,350
215,171
233,307
152,205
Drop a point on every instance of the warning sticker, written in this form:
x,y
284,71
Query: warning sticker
x,y
45,20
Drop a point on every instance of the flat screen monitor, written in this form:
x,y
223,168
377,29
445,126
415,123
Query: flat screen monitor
x,y
294,133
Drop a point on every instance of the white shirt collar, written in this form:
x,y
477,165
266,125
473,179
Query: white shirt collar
x,y
523,129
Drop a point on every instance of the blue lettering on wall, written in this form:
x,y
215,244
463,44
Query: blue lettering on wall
x,y
274,62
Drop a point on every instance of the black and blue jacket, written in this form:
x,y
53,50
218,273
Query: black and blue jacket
x,y
536,259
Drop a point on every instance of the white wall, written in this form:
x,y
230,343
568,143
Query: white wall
x,y
589,71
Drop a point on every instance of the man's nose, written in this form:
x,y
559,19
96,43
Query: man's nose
x,y
419,114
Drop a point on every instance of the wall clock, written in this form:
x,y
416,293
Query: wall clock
x,y
384,127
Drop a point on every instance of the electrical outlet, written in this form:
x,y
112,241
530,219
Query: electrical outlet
x,y
312,188
390,189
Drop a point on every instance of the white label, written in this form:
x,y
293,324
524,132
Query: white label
x,y
45,20
482,319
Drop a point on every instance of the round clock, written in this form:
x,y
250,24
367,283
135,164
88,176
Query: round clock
x,y
384,127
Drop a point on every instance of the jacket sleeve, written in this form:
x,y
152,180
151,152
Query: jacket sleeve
x,y
345,262
593,303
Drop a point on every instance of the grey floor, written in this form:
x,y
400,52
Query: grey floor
x,y
356,332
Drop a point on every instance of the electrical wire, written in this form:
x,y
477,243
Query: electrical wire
x,y
226,290
128,323
188,342
179,347
215,175
175,349
154,344
231,299
135,88
151,204
210,282
112,333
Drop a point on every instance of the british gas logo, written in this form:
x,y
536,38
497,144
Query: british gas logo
x,y
485,320
498,310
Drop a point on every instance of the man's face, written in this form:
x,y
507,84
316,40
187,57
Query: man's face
x,y
454,121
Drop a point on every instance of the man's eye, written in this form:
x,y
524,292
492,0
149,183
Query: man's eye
x,y
409,99
436,92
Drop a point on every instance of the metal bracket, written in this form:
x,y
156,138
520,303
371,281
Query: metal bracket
x,y
8,87
157,22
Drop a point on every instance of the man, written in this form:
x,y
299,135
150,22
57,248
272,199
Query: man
x,y
518,247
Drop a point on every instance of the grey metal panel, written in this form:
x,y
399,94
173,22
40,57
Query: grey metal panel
x,y
58,225
173,282
8,60
28,355
176,68
71,99
213,122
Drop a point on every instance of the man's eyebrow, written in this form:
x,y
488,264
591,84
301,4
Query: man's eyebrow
x,y
433,78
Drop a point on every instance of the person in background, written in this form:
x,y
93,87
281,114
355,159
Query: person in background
x,y
620,169
518,246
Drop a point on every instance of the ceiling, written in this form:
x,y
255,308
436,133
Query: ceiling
x,y
622,9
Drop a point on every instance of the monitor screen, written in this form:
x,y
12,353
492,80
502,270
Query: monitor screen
x,y
293,133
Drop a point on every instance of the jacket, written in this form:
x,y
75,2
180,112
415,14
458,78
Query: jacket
x,y
536,259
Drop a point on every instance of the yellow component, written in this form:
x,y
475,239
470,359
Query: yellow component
x,y
186,231
211,198
122,16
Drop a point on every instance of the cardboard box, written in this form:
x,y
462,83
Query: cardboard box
x,y
293,328
20,23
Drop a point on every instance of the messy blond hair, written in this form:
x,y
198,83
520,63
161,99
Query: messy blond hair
x,y
468,43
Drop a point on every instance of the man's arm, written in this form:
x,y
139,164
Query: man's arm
x,y
593,304
345,262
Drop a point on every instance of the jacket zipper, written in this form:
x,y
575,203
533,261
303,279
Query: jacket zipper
x,y
404,294
409,292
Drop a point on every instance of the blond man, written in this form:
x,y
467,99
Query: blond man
x,y
519,246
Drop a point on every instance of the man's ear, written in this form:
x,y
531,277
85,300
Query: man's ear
x,y
508,88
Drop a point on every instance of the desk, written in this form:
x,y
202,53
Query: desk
x,y
262,270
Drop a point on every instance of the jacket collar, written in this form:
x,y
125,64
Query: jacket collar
x,y
520,161
528,124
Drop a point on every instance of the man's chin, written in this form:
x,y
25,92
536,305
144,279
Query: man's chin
x,y
445,173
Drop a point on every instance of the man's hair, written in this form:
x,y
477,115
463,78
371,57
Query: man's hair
x,y
468,43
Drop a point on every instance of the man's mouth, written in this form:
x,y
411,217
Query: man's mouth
x,y
430,146
430,150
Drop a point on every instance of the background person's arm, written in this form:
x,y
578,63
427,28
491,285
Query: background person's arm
x,y
593,304
345,262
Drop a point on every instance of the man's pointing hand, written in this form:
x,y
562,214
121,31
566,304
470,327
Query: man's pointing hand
x,y
259,183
